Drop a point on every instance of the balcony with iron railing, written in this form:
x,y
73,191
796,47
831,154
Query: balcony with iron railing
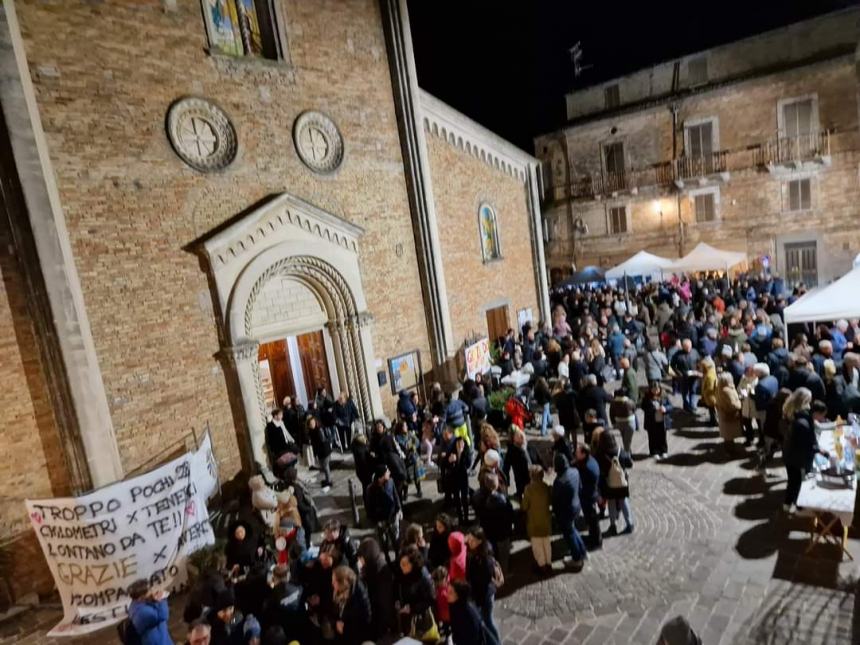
x,y
812,147
780,152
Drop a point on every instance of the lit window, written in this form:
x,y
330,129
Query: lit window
x,y
489,231
617,220
244,28
799,195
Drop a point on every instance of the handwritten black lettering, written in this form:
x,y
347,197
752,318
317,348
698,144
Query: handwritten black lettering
x,y
129,541
160,555
81,551
160,526
155,488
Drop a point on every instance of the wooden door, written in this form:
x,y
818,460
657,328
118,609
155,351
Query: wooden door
x,y
497,323
277,355
314,363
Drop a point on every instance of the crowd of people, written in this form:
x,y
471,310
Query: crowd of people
x,y
715,344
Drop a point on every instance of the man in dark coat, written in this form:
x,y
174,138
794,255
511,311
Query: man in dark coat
x,y
568,416
566,507
593,397
345,414
496,516
589,475
383,509
278,439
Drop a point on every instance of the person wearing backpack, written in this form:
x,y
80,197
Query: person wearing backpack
x,y
484,576
614,486
148,614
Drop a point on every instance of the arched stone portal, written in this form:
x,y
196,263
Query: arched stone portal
x,y
288,239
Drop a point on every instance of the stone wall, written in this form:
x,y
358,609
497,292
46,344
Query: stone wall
x,y
752,212
105,74
461,183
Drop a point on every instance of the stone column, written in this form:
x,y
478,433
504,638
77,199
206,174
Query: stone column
x,y
242,361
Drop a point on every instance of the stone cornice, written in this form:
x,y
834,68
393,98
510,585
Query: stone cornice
x,y
285,210
444,122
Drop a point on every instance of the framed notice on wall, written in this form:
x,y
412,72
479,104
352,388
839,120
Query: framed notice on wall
x,y
405,371
524,316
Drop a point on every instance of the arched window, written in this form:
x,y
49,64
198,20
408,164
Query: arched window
x,y
489,232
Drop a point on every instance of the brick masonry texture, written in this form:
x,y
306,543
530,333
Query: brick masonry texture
x,y
32,463
132,205
461,183
753,214
105,74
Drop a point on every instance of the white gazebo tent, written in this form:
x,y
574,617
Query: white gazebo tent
x,y
840,299
707,258
643,263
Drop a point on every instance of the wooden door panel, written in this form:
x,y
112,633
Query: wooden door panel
x,y
314,362
277,354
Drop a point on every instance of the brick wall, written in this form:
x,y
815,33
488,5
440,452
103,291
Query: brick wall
x,y
105,74
461,183
32,463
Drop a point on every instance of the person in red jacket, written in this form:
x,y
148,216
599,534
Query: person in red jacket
x,y
457,563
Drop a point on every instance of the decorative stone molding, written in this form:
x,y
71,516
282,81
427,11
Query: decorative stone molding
x,y
444,122
318,142
241,353
284,211
344,319
201,134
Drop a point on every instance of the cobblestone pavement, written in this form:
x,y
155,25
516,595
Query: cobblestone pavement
x,y
709,543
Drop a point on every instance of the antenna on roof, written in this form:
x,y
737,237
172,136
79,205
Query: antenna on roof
x,y
576,57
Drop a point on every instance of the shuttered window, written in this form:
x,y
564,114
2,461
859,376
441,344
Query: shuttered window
x,y
799,195
617,220
705,206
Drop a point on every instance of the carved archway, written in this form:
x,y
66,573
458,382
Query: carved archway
x,y
344,322
288,238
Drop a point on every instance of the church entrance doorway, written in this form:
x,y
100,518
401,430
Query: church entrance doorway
x,y
296,366
292,313
498,323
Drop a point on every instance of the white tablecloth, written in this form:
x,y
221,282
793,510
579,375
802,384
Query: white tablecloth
x,y
821,497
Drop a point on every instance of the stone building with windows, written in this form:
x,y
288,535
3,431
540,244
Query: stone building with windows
x,y
210,204
751,146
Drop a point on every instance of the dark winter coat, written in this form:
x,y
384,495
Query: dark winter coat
x,y
321,441
801,444
416,590
589,477
517,459
495,514
383,502
357,616
565,492
379,581
466,624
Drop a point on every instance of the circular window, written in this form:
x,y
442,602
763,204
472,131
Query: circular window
x,y
318,142
201,134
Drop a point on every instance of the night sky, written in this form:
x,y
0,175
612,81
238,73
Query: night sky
x,y
506,63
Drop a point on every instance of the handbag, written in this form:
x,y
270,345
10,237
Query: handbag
x,y
424,628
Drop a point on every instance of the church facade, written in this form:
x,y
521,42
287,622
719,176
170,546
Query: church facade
x,y
211,204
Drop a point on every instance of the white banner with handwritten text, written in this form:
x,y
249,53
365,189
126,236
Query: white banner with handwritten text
x,y
97,544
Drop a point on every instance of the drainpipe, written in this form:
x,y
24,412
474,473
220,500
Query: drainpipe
x,y
567,191
674,109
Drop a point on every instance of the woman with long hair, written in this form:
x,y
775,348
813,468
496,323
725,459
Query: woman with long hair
x,y
801,444
378,578
352,619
